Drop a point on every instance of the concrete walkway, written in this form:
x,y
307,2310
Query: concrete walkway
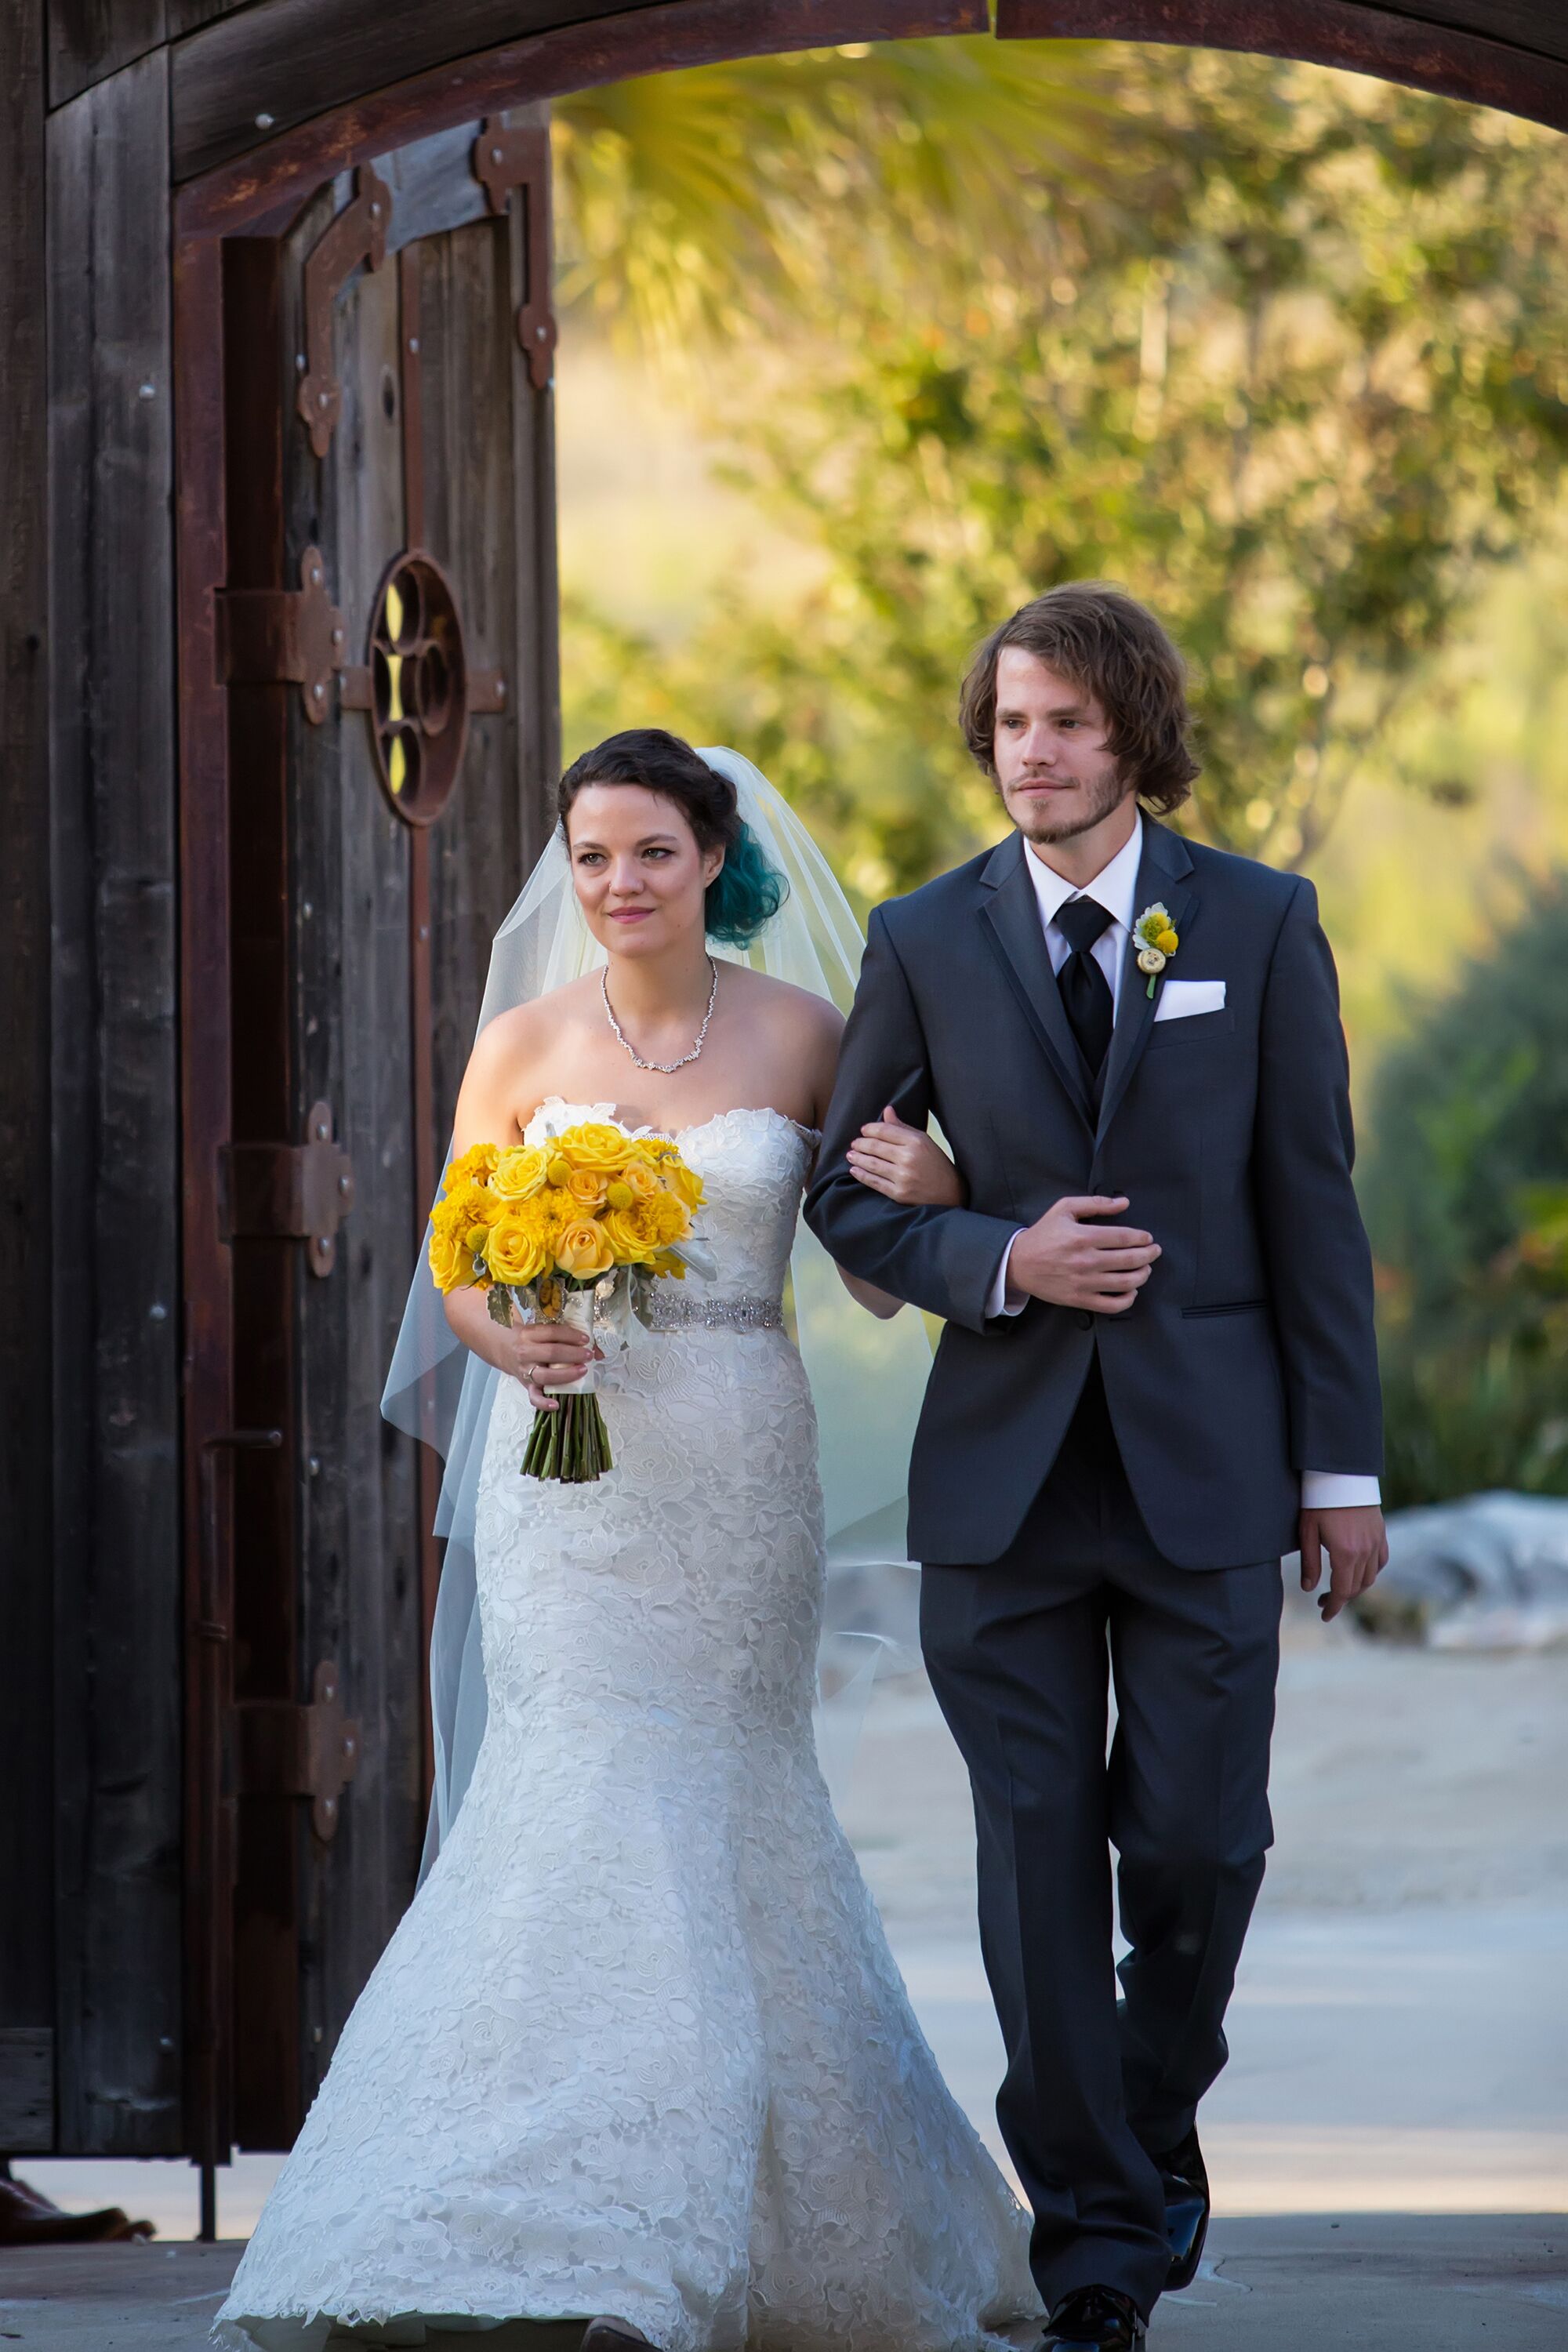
x,y
1374,2284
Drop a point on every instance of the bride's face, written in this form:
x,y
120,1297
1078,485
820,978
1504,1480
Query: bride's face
x,y
638,871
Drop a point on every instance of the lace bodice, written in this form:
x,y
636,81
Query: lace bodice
x,y
752,1164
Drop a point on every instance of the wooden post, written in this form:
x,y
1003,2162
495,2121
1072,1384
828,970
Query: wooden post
x,y
113,1270
27,1859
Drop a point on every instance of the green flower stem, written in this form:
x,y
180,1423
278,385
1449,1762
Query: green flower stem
x,y
571,1444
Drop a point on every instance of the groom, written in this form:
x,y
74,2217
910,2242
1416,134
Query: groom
x,y
1157,1375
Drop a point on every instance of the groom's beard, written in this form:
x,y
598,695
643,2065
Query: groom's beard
x,y
1039,823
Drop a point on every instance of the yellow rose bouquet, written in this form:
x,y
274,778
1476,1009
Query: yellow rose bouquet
x,y
565,1229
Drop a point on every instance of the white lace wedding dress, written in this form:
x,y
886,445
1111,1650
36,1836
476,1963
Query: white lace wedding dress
x,y
638,2046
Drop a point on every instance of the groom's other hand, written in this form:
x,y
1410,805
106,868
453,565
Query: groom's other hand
x,y
1357,1549
1070,1260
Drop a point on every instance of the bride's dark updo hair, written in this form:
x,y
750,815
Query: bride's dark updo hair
x,y
746,892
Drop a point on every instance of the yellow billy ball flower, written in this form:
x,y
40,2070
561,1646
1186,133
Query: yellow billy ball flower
x,y
618,1194
559,1170
1167,943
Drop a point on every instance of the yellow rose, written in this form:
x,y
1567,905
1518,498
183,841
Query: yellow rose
x,y
451,1263
580,1249
477,1164
518,1247
600,1150
625,1236
519,1174
586,1189
685,1182
640,1180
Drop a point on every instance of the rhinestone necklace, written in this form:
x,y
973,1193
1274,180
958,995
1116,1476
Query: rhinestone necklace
x,y
664,1066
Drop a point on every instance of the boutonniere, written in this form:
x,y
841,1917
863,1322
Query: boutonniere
x,y
1157,942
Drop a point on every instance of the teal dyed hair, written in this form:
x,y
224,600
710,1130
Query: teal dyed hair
x,y
746,892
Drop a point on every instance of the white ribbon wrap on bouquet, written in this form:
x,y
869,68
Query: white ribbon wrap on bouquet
x,y
578,1309
868,1377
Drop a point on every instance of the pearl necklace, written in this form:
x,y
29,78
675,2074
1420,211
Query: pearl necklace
x,y
664,1066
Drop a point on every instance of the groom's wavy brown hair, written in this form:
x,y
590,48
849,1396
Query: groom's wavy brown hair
x,y
1108,643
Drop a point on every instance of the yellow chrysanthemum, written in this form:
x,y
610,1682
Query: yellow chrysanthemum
x,y
600,1149
519,1172
476,1166
580,1249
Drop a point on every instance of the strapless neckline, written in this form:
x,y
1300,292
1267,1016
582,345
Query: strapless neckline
x,y
809,1135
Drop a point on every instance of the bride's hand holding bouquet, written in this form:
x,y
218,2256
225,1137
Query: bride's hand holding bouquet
x,y
562,1229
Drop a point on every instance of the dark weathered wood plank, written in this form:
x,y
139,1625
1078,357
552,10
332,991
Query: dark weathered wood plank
x,y
471,454
359,1597
90,39
296,60
116,1292
1502,53
27,1860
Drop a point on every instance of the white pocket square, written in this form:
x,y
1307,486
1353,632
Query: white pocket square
x,y
1180,998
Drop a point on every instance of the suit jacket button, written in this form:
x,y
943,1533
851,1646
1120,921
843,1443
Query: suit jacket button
x,y
1084,1319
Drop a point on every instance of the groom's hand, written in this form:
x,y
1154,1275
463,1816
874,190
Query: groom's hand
x,y
1068,1260
1357,1546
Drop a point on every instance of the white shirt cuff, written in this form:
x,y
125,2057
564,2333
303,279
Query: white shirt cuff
x,y
997,1301
1338,1490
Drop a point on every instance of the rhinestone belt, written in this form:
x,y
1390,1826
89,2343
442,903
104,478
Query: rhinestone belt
x,y
744,1312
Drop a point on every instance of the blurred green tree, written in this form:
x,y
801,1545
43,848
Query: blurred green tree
x,y
1466,1195
1299,377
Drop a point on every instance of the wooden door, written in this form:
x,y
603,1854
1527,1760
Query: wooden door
x,y
388,632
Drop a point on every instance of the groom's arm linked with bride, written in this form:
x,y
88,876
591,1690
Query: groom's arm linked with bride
x,y
1157,1375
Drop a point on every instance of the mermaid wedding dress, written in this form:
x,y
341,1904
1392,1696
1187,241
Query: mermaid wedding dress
x,y
638,2046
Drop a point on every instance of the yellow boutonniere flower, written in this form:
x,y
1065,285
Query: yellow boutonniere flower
x,y
1157,942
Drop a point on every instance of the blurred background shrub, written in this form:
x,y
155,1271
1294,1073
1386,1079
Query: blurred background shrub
x,y
1466,1191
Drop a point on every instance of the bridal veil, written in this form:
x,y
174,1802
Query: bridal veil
x,y
868,1377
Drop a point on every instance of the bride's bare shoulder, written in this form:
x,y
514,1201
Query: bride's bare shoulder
x,y
792,1012
516,1039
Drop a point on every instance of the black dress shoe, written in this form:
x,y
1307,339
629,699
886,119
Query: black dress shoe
x,y
1186,2182
1094,2319
612,2335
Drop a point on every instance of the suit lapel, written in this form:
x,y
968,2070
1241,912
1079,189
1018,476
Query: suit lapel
x,y
1163,870
1011,913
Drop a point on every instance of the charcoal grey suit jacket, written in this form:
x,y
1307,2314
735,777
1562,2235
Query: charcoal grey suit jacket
x,y
1250,1354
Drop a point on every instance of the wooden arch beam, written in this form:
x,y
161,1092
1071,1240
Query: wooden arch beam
x,y
1449,62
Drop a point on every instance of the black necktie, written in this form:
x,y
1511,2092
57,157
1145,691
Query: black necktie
x,y
1086,991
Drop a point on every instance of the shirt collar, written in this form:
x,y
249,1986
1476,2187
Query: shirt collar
x,y
1114,888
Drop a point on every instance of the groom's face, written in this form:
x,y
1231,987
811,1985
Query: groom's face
x,y
1054,768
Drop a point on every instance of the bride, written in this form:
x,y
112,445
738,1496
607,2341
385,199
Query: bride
x,y
637,2061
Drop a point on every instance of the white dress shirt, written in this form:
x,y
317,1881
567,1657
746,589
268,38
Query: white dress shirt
x,y
1115,888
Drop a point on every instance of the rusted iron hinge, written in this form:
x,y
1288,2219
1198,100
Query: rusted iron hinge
x,y
300,1751
270,636
292,1191
508,156
358,234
